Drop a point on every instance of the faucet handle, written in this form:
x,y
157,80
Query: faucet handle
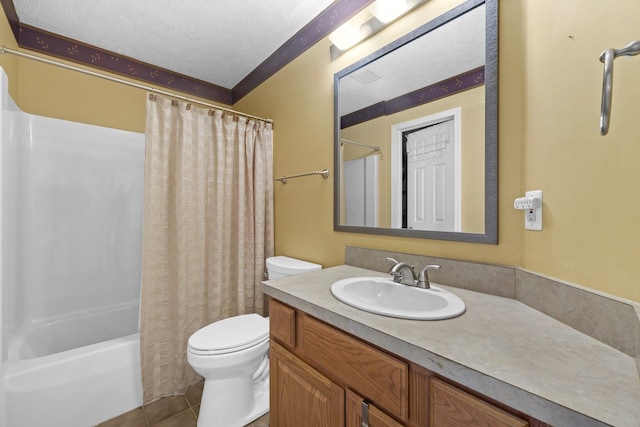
x,y
397,276
423,276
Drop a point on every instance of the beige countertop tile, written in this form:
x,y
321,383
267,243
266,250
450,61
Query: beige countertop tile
x,y
499,347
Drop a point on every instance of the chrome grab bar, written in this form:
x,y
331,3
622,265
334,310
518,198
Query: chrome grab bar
x,y
607,58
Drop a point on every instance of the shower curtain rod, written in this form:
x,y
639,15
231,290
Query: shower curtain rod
x,y
4,49
373,147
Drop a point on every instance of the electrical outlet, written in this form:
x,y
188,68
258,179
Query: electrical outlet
x,y
531,203
533,214
526,202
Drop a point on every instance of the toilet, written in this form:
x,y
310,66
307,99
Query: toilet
x,y
233,357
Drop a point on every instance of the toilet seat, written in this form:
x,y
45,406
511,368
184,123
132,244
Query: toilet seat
x,y
230,335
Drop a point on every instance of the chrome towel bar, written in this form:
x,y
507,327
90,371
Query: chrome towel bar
x,y
607,58
324,173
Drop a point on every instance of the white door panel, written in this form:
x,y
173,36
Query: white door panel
x,y
431,178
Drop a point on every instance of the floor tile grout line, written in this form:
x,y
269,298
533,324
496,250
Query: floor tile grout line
x,y
193,411
146,417
172,416
190,406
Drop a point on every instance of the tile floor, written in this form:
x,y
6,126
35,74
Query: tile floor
x,y
175,411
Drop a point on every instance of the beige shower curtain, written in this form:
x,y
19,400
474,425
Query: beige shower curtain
x,y
208,227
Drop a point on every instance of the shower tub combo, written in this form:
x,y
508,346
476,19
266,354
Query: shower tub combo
x,y
71,214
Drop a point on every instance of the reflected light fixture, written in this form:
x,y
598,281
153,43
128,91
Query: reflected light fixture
x,y
367,22
388,10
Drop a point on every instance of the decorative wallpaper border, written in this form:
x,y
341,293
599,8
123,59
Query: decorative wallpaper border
x,y
41,41
328,20
12,16
61,47
456,84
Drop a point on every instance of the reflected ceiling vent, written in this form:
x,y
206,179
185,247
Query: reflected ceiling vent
x,y
365,77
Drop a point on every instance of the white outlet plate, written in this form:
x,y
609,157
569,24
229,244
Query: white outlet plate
x,y
533,217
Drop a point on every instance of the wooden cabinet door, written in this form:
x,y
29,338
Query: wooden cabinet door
x,y
372,373
377,418
300,395
452,407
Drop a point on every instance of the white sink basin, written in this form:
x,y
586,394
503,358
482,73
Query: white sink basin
x,y
383,296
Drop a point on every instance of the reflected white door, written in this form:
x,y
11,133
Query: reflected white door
x,y
431,177
361,191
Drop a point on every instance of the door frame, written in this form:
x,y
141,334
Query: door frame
x,y
454,114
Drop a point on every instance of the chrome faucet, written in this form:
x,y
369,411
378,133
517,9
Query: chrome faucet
x,y
421,280
398,273
423,277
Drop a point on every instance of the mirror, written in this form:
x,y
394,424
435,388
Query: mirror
x,y
415,150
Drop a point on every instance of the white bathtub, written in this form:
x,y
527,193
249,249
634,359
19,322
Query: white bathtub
x,y
80,329
70,241
48,383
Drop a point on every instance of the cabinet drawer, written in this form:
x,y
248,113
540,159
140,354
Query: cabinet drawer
x,y
377,418
373,374
451,406
282,323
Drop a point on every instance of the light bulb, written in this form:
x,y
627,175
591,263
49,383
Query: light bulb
x,y
351,32
388,10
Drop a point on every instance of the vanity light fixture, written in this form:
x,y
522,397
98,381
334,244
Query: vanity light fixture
x,y
353,31
388,10
368,22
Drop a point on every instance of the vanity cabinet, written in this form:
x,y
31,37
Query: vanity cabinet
x,y
375,375
451,406
375,417
321,376
301,395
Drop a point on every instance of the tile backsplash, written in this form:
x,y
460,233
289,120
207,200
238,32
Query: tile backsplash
x,y
610,320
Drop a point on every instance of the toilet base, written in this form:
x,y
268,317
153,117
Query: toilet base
x,y
225,412
261,407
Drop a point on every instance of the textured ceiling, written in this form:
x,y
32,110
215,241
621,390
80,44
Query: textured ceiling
x,y
216,41
450,50
221,49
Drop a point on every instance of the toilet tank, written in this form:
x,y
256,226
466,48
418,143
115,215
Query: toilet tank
x,y
281,266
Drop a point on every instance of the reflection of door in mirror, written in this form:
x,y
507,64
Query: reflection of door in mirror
x,y
429,162
466,197
361,191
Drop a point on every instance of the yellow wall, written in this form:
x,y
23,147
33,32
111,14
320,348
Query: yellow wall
x,y
8,62
377,132
300,99
591,230
549,99
548,139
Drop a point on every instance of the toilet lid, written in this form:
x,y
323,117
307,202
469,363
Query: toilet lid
x,y
233,333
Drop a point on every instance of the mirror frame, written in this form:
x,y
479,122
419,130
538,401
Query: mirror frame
x,y
490,235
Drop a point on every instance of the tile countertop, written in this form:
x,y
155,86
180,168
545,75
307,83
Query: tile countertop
x,y
498,347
